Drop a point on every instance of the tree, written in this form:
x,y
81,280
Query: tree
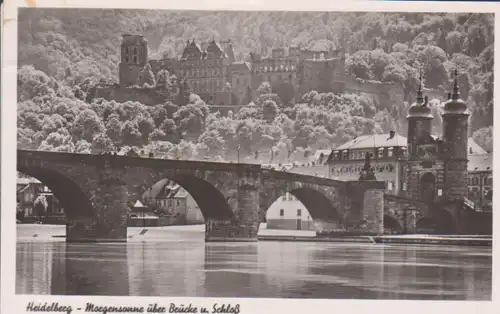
x,y
454,42
40,206
146,126
101,143
114,128
190,120
146,77
269,110
130,134
213,141
87,124
358,66
83,147
264,88
32,83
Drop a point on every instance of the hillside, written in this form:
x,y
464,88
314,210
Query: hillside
x,y
72,49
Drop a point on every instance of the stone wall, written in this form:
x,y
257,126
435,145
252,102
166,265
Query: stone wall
x,y
146,96
227,230
401,209
385,94
291,224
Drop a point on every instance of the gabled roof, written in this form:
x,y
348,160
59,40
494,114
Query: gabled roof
x,y
375,140
382,140
138,204
241,66
482,162
27,180
474,148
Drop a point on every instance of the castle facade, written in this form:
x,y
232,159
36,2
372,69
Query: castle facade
x,y
210,70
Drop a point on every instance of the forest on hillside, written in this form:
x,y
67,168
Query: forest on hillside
x,y
64,52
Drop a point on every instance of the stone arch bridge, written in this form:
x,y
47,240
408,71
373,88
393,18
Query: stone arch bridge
x,y
97,191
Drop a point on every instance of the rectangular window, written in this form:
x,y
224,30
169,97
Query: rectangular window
x,y
389,153
282,212
127,55
299,212
284,197
380,153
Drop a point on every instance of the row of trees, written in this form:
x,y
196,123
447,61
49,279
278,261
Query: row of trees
x,y
81,47
52,117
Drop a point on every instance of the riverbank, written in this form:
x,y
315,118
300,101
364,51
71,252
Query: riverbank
x,y
35,232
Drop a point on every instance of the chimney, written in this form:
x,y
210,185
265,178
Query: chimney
x,y
392,133
449,96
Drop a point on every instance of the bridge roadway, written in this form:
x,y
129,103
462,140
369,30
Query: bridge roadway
x,y
97,192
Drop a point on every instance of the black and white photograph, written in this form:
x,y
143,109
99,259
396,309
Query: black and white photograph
x,y
274,154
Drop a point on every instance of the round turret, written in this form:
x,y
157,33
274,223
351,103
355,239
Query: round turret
x,y
454,104
419,108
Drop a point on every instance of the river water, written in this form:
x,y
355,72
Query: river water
x,y
178,263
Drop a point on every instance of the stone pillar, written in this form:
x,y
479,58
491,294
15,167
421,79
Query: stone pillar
x,y
244,226
109,223
373,211
366,210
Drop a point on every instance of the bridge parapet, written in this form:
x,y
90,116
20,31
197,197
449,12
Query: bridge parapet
x,y
268,174
128,161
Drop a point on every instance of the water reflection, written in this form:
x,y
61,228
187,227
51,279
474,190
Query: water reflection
x,y
265,269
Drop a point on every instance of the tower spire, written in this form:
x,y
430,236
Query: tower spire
x,y
420,95
456,94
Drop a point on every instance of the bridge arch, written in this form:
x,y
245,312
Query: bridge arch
x,y
318,204
440,222
72,198
303,208
212,203
392,225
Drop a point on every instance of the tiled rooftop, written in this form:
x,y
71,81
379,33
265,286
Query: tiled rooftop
x,y
482,162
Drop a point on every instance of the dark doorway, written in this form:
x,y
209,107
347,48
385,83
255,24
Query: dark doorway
x,y
428,187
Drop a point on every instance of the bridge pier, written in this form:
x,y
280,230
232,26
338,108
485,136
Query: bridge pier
x,y
244,226
109,223
365,215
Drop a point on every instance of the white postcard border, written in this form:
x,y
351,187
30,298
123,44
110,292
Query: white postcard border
x,y
11,303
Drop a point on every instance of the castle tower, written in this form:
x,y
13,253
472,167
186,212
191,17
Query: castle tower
x,y
134,56
455,136
419,122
